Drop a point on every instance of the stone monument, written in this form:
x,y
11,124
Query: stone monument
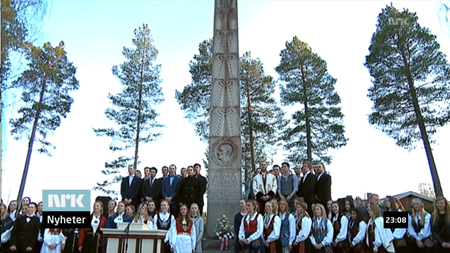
x,y
224,171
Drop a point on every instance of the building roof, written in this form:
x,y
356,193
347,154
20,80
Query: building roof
x,y
415,194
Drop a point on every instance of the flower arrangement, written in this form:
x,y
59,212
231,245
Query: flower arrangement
x,y
224,231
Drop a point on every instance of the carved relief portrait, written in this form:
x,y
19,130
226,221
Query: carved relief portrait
x,y
224,152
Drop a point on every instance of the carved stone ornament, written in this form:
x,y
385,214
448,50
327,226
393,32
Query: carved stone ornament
x,y
224,152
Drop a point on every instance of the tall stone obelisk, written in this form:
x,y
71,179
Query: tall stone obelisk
x,y
224,171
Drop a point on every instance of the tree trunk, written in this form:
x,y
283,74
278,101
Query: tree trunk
x,y
250,128
307,121
423,130
138,125
31,141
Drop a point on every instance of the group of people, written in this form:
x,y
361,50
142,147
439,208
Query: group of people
x,y
287,212
283,212
340,229
179,198
185,188
22,230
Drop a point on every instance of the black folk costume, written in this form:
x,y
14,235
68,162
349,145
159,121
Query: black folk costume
x,y
90,238
340,230
441,232
163,221
72,238
356,233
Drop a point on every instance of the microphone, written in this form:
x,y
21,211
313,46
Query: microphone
x,y
127,229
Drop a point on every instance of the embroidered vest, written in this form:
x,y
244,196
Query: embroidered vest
x,y
163,225
353,229
337,226
180,229
268,226
251,226
416,225
284,231
319,230
298,224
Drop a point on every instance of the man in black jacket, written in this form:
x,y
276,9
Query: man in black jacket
x,y
323,185
204,182
130,188
151,187
307,186
190,190
25,231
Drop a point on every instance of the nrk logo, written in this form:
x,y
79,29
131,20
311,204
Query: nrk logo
x,y
66,208
398,21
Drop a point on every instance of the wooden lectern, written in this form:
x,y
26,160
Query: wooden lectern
x,y
139,239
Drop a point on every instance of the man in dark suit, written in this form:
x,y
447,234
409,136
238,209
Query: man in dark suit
x,y
323,185
190,190
151,187
130,188
203,183
25,231
169,189
307,186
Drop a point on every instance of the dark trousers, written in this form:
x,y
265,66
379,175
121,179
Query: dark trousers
x,y
174,208
5,247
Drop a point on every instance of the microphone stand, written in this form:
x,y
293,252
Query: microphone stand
x,y
127,232
75,235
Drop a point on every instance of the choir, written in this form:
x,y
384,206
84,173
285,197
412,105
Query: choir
x,y
288,214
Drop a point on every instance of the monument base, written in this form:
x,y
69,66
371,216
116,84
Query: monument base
x,y
213,245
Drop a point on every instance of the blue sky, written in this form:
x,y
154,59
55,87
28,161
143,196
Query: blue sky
x,y
95,32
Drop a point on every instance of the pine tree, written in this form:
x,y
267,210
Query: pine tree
x,y
411,82
261,118
132,109
317,125
46,85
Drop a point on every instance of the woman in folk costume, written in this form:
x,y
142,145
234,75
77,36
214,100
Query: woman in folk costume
x,y
237,224
302,227
182,235
152,208
401,240
357,231
7,227
164,221
111,207
349,205
322,230
420,228
340,228
329,212
378,238
12,209
272,225
441,224
119,217
143,216
251,229
53,239
287,228
90,238
199,227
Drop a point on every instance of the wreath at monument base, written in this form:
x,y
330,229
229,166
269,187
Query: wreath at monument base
x,y
224,232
